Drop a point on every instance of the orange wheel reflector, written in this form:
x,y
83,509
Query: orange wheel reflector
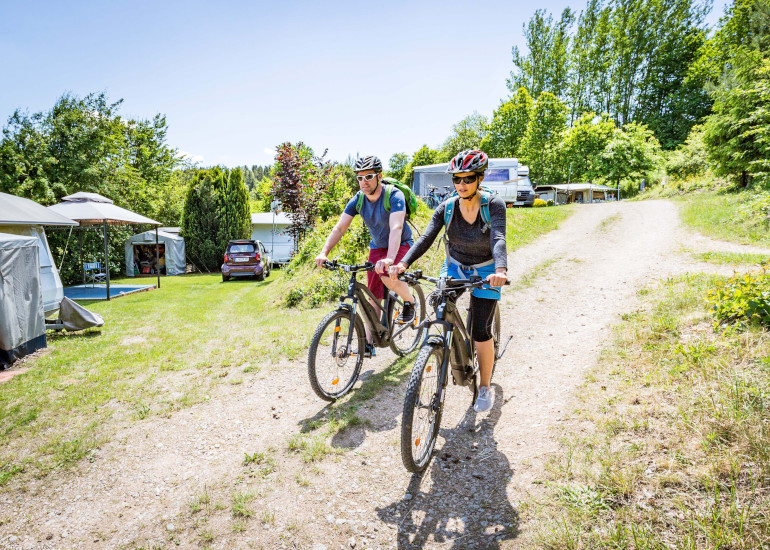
x,y
428,368
335,381
417,442
336,329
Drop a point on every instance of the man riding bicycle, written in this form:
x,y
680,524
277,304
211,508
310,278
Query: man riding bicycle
x,y
475,246
391,236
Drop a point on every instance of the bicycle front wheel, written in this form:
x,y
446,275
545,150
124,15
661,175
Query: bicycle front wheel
x,y
336,354
405,338
422,411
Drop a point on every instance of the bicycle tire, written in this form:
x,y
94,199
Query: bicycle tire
x,y
340,360
428,359
419,317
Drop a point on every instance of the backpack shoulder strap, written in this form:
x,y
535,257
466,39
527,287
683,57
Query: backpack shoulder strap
x,y
449,209
484,209
388,190
359,202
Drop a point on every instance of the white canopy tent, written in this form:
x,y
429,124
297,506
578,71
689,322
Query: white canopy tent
x,y
174,251
92,209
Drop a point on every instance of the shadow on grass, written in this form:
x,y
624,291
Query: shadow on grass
x,y
466,504
54,335
338,419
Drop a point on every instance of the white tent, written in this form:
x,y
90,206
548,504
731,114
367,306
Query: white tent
x,y
22,324
92,209
171,250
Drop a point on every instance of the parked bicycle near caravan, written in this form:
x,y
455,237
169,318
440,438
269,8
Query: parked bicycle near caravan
x,y
337,349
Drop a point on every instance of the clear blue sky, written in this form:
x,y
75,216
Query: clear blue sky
x,y
235,78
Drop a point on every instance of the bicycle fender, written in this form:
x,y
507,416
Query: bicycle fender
x,y
435,339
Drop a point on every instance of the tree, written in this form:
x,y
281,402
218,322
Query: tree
x,y
307,186
632,154
466,134
508,126
424,156
200,220
689,159
544,68
737,134
234,210
397,165
544,133
583,145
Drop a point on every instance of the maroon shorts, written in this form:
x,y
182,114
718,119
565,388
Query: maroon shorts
x,y
375,279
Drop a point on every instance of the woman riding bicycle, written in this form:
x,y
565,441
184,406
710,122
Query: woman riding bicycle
x,y
474,247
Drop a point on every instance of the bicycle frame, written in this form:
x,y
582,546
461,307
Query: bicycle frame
x,y
380,326
454,339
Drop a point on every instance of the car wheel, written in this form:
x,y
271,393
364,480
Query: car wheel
x,y
261,276
225,278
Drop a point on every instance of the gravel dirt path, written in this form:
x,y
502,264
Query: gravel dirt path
x,y
176,481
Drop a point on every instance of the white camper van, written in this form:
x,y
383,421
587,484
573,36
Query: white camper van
x,y
506,177
19,216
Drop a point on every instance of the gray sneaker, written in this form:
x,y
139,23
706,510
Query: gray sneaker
x,y
484,400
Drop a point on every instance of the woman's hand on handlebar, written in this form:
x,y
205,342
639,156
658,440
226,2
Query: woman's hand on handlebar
x,y
396,269
497,279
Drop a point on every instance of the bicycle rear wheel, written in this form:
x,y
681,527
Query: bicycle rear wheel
x,y
332,364
405,338
422,412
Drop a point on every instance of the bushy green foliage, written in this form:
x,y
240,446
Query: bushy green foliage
x,y
690,159
539,150
508,126
466,134
423,157
742,299
627,59
580,151
630,155
397,166
233,208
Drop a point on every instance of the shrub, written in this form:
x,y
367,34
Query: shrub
x,y
549,203
743,299
539,203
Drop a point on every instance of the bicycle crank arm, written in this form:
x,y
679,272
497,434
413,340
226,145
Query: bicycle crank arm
x,y
502,351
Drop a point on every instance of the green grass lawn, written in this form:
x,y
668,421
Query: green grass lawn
x,y
726,216
163,350
158,352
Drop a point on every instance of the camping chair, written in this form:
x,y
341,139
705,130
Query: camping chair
x,y
94,273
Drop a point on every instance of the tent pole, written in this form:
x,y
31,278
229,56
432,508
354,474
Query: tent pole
x,y
106,258
157,256
80,246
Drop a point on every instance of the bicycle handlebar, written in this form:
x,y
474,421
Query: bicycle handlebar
x,y
334,264
452,283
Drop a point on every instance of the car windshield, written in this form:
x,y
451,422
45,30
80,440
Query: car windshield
x,y
241,248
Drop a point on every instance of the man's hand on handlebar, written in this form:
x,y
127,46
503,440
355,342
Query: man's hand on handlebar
x,y
395,270
382,266
320,259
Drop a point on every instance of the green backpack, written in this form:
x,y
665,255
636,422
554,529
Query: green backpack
x,y
389,187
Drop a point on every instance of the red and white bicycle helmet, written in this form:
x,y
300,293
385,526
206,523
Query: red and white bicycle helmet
x,y
469,160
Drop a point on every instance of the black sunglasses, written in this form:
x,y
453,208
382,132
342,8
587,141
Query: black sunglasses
x,y
467,179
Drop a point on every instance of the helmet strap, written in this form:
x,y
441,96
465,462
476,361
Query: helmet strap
x,y
379,183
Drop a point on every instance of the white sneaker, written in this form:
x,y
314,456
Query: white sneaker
x,y
484,400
